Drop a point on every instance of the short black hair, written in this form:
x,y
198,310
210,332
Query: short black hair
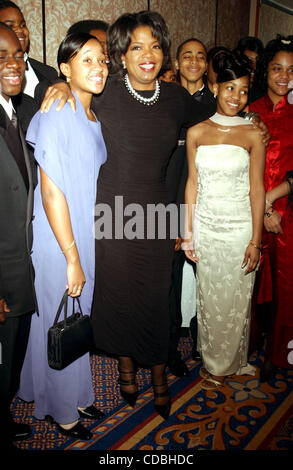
x,y
70,47
280,43
179,48
7,4
232,65
250,43
85,26
120,32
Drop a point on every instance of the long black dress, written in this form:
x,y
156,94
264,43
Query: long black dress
x,y
130,311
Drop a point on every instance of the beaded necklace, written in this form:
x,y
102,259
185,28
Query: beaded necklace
x,y
146,101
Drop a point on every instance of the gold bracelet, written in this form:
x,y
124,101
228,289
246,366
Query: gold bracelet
x,y
70,246
255,246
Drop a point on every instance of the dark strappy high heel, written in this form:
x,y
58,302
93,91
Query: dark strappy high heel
x,y
163,409
129,397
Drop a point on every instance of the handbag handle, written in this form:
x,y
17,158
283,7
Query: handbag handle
x,y
64,303
73,305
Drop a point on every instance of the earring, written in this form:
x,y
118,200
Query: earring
x,y
124,64
67,79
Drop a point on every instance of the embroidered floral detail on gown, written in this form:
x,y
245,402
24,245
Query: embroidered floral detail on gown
x,y
222,231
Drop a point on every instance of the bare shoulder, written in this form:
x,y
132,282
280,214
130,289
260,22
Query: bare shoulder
x,y
198,129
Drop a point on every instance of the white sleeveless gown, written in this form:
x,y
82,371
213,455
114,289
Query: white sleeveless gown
x,y
222,231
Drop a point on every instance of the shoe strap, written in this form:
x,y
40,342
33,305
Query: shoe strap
x,y
161,394
123,381
126,382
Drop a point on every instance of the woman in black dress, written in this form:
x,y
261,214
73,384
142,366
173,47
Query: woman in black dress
x,y
141,120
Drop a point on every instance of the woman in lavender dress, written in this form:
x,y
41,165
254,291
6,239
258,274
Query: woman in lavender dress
x,y
69,149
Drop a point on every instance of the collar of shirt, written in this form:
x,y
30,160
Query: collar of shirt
x,y
198,92
31,80
282,104
7,106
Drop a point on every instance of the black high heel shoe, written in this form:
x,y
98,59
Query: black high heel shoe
x,y
164,409
129,397
78,431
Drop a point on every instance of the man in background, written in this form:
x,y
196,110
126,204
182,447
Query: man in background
x,y
38,76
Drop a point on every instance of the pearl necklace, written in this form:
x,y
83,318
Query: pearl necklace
x,y
146,101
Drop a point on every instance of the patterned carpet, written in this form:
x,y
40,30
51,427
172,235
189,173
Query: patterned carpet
x,y
244,415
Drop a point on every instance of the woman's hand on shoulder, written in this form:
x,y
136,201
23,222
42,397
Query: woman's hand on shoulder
x,y
59,91
255,143
262,128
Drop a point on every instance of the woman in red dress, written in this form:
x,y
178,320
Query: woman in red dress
x,y
274,286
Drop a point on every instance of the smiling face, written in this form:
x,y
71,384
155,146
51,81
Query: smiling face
x,y
12,65
15,20
87,71
192,63
280,72
232,96
143,59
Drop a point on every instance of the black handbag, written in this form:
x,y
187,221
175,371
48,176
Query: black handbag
x,y
70,338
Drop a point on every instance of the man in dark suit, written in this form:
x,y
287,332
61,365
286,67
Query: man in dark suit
x,y
38,76
17,180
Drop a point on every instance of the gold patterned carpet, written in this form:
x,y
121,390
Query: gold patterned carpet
x,y
244,415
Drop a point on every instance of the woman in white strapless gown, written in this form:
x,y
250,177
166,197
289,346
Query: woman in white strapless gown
x,y
223,232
